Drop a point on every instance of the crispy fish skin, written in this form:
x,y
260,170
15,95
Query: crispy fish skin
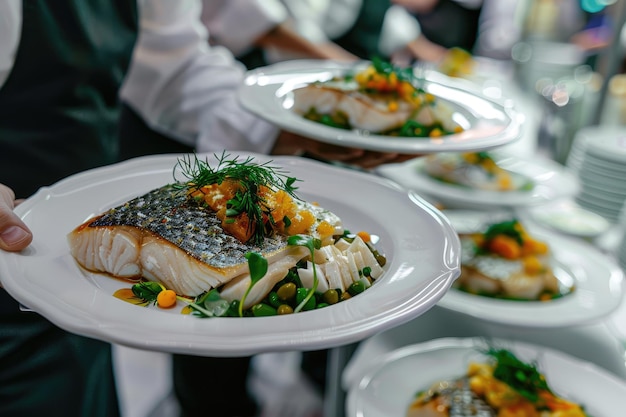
x,y
166,236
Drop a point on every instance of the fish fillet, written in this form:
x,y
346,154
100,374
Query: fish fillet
x,y
363,112
164,236
369,112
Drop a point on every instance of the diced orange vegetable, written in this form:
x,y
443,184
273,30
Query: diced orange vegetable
x,y
238,226
365,236
505,246
435,133
532,265
301,222
166,299
325,229
534,247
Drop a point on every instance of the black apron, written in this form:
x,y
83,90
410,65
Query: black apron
x,y
58,116
451,25
363,37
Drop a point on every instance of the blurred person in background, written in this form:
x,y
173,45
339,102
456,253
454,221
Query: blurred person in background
x,y
281,30
64,67
448,23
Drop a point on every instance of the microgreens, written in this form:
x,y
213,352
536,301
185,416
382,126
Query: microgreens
x,y
257,265
522,377
312,244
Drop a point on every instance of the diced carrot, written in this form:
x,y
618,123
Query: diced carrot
x,y
325,229
365,236
532,265
435,133
505,246
534,247
166,299
301,222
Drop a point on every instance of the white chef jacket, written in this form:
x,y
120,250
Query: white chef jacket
x,y
179,84
236,24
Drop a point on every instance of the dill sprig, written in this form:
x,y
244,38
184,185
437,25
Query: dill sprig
x,y
523,377
251,176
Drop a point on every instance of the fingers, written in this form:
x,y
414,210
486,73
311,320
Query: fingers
x,y
14,234
293,144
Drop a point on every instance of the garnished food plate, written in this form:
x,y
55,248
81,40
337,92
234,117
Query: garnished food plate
x,y
421,248
486,123
597,280
540,181
392,381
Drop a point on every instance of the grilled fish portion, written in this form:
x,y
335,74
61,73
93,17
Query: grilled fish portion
x,y
165,236
362,111
450,399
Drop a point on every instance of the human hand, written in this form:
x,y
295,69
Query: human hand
x,y
14,234
292,144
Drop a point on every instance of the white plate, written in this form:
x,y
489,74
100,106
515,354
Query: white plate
x,y
267,92
551,181
568,217
599,283
388,388
421,246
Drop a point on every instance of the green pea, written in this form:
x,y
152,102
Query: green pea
x,y
284,309
357,287
331,296
263,310
287,291
233,309
274,299
301,295
322,305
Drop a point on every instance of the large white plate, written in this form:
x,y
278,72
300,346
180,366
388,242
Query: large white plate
x,y
421,246
388,388
551,182
598,278
488,123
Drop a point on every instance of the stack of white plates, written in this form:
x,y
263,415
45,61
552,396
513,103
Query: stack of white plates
x,y
598,156
621,253
620,248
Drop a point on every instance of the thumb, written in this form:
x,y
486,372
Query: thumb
x,y
14,234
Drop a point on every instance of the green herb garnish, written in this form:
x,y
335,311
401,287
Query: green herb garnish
x,y
522,377
250,176
147,291
312,244
257,265
507,228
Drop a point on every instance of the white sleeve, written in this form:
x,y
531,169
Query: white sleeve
x,y
399,28
186,89
236,24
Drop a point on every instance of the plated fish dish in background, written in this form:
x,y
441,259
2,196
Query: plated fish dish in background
x,y
380,99
506,261
476,170
502,386
229,240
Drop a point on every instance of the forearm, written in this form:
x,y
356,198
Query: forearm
x,y
185,88
284,38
